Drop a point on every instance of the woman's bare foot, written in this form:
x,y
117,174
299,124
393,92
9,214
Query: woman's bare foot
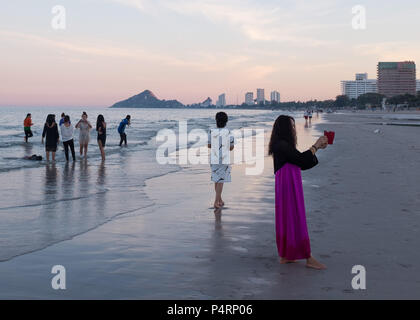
x,y
285,261
216,205
221,203
314,264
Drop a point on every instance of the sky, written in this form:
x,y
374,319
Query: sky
x,y
193,49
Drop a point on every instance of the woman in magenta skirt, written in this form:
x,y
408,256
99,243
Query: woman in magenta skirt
x,y
291,229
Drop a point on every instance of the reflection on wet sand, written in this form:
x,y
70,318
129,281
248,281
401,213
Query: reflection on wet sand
x,y
28,149
47,211
218,220
68,180
101,196
50,185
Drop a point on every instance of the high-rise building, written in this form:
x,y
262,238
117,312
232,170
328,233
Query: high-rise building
x,y
221,101
396,78
361,76
418,85
260,96
275,96
355,88
249,98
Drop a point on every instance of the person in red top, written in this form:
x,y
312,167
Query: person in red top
x,y
27,124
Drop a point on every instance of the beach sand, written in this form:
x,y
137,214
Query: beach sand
x,y
362,204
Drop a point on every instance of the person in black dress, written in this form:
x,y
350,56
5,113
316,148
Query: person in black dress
x,y
101,129
50,133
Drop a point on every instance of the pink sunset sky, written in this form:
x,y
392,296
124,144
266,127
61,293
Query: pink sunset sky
x,y
191,49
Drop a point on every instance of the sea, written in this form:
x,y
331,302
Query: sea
x,y
43,203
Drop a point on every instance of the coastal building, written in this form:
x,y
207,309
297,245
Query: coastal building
x,y
260,96
206,103
396,78
275,96
418,85
221,101
249,98
362,85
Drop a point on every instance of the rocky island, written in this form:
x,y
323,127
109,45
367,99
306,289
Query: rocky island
x,y
147,99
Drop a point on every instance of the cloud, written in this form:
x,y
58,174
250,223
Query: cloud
x,y
396,50
138,4
199,61
257,22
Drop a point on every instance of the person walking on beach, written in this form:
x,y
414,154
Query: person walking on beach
x,y
67,138
27,124
84,136
221,142
101,129
50,133
121,129
291,230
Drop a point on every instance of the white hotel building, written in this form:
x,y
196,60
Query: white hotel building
x,y
249,98
260,96
221,101
354,88
275,96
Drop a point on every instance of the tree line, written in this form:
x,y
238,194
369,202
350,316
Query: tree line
x,y
364,101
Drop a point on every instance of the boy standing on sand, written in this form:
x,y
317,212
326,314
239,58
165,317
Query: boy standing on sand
x,y
221,142
27,124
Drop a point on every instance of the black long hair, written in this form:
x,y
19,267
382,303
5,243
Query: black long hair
x,y
99,122
282,130
50,119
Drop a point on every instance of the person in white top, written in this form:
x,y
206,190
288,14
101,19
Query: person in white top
x,y
221,142
67,137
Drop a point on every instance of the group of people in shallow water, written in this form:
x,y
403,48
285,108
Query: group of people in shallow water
x,y
292,236
52,130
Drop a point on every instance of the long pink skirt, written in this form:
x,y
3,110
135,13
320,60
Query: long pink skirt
x,y
291,229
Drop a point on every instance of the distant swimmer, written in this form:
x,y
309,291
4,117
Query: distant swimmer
x,y
84,137
27,124
121,129
50,133
101,129
33,158
62,119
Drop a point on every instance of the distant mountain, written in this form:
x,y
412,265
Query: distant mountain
x,y
147,99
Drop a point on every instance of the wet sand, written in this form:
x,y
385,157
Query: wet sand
x,y
362,208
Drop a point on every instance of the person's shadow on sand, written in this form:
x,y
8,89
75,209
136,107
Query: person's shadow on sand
x,y
218,219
